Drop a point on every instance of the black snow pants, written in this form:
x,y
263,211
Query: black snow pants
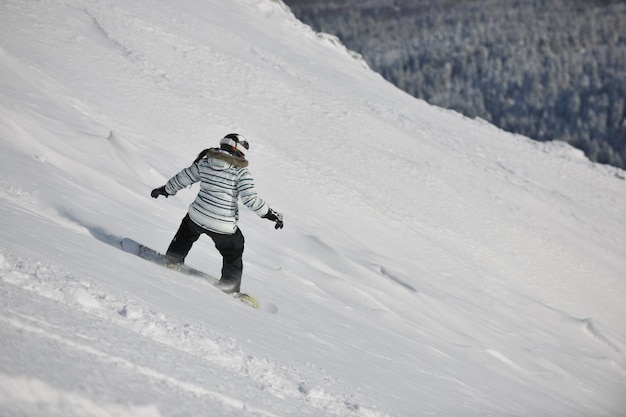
x,y
230,247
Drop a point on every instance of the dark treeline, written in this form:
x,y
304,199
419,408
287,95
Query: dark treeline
x,y
547,69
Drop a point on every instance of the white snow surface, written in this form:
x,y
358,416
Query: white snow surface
x,y
430,265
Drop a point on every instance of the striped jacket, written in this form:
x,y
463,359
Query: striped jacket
x,y
224,178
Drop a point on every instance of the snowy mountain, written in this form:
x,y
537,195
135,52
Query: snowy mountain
x,y
430,264
548,70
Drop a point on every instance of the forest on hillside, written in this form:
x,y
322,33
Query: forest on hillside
x,y
547,69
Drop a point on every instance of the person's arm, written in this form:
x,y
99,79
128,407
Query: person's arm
x,y
183,179
250,198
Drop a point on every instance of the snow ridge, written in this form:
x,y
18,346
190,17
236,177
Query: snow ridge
x,y
124,311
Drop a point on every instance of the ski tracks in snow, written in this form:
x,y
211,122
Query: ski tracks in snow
x,y
49,312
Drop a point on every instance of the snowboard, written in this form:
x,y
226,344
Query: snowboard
x,y
149,254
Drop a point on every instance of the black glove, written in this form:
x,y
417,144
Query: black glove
x,y
275,217
159,191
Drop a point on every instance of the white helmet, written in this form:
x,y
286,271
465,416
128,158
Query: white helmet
x,y
236,144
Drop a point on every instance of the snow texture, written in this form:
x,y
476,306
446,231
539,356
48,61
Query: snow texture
x,y
430,264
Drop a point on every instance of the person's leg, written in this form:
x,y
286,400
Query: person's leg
x,y
231,249
187,234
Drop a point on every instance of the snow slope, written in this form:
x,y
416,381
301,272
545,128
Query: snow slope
x,y
430,264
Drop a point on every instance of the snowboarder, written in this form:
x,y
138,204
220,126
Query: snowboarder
x,y
224,178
